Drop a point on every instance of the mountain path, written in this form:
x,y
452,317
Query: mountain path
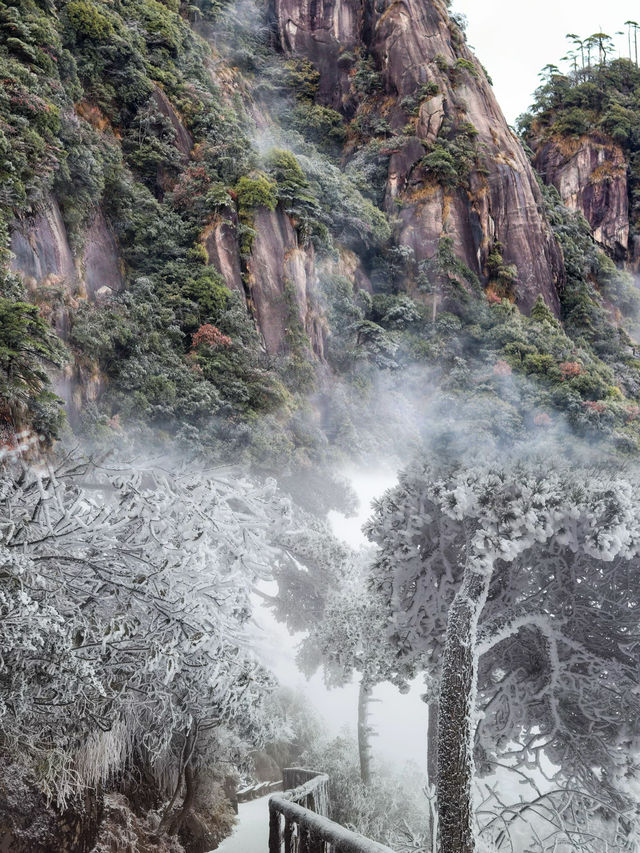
x,y
251,834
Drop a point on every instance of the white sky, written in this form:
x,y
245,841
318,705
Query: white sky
x,y
515,39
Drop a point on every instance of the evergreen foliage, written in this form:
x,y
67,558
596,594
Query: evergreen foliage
x,y
603,100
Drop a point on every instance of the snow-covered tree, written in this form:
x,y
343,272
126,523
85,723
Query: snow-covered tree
x,y
322,592
124,594
350,638
531,574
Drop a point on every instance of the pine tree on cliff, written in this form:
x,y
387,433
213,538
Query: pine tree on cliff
x,y
633,26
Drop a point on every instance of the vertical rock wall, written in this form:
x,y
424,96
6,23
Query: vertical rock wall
x,y
283,285
412,43
590,173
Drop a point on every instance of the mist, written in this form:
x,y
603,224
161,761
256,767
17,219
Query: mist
x,y
393,744
319,427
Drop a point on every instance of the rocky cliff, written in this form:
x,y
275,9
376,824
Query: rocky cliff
x,y
43,257
433,90
280,284
422,58
590,173
231,215
584,130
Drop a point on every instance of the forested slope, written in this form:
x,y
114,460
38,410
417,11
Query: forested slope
x,y
218,211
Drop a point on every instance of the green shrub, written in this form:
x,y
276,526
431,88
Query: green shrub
x,y
252,193
255,191
162,26
367,80
542,314
442,163
321,125
88,21
210,295
295,195
574,122
411,103
501,275
462,64
302,77
27,346
453,155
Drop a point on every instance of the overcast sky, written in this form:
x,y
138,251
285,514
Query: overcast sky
x,y
515,39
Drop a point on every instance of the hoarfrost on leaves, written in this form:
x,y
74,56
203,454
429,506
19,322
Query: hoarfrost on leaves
x,y
124,594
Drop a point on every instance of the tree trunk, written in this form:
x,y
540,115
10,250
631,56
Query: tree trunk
x,y
187,803
432,742
455,716
364,748
168,818
432,772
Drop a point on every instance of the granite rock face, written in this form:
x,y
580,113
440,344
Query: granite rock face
x,y
413,43
220,242
43,257
182,138
282,285
590,173
324,31
101,268
45,261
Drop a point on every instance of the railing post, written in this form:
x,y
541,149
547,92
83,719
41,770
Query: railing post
x,y
275,834
304,845
299,819
288,835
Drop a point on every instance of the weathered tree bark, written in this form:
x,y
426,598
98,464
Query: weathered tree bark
x,y
364,747
455,716
186,755
170,822
432,742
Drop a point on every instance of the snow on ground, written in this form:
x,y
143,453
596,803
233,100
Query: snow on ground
x,y
251,834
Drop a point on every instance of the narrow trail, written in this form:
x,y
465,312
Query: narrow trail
x,y
251,834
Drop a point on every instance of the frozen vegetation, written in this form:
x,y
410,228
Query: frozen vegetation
x,y
249,248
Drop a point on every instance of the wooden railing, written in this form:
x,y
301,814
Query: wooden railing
x,y
254,792
299,819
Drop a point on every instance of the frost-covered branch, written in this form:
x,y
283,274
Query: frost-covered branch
x,y
125,591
